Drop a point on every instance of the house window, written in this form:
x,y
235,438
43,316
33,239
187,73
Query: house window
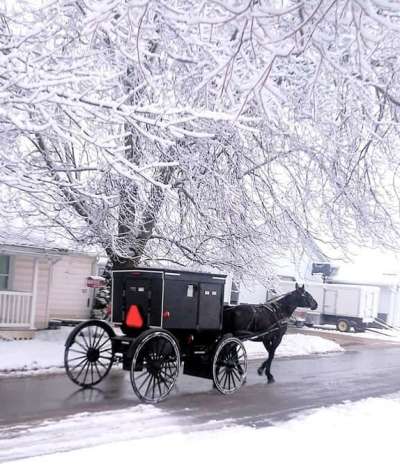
x,y
4,272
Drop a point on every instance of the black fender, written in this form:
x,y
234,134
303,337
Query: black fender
x,y
143,335
88,323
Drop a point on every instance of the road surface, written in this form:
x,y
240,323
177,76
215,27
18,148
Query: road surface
x,y
302,383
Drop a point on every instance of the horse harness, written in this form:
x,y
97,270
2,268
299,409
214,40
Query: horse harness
x,y
278,324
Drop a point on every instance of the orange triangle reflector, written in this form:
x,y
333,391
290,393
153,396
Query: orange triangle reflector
x,y
133,318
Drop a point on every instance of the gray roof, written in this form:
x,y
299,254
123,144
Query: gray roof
x,y
39,241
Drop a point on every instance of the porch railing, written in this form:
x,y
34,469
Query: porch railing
x,y
15,309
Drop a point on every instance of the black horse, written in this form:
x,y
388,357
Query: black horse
x,y
270,319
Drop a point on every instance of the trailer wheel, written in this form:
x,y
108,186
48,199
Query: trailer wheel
x,y
343,325
155,365
229,367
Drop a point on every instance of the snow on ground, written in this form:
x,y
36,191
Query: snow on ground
x,y
45,353
294,344
354,437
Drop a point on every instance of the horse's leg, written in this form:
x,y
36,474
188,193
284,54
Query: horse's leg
x,y
271,354
266,342
260,370
266,365
274,343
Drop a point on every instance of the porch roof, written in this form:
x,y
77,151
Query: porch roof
x,y
23,241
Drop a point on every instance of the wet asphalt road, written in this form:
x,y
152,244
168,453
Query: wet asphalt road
x,y
302,383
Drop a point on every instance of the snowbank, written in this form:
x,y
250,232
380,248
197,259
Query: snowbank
x,y
45,353
294,345
355,437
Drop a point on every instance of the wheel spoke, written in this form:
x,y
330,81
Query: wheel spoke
x,y
108,350
230,382
102,364
89,335
97,369
104,343
223,375
166,377
77,358
79,365
141,374
235,373
159,386
154,386
148,386
77,351
83,367
80,344
91,371
86,374
169,367
84,339
225,380
148,375
98,337
95,334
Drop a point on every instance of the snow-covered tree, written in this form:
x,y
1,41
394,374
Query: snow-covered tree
x,y
219,133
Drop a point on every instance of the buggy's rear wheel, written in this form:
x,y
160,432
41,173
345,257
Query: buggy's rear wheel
x,y
155,365
229,365
88,355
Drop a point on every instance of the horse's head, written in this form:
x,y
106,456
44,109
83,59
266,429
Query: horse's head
x,y
304,299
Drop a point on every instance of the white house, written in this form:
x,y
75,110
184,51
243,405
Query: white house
x,y
39,281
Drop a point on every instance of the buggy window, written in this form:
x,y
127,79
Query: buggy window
x,y
190,290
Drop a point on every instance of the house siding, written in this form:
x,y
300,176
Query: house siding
x,y
22,282
69,296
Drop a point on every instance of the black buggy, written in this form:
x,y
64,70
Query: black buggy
x,y
166,318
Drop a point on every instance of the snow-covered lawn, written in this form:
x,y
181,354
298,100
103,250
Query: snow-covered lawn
x,y
294,345
45,353
357,438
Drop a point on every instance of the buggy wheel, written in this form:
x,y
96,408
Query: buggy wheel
x,y
155,365
229,365
89,355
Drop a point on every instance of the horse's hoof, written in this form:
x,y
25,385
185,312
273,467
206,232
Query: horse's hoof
x,y
260,371
271,380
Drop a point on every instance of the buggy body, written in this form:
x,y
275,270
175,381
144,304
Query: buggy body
x,y
162,319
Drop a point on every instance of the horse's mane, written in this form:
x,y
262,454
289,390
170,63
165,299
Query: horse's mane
x,y
278,297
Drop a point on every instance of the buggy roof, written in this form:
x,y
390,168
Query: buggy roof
x,y
171,271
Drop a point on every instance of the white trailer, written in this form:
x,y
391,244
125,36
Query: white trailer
x,y
343,305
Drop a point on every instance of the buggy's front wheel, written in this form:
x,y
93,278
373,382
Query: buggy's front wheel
x,y
155,365
88,354
229,366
